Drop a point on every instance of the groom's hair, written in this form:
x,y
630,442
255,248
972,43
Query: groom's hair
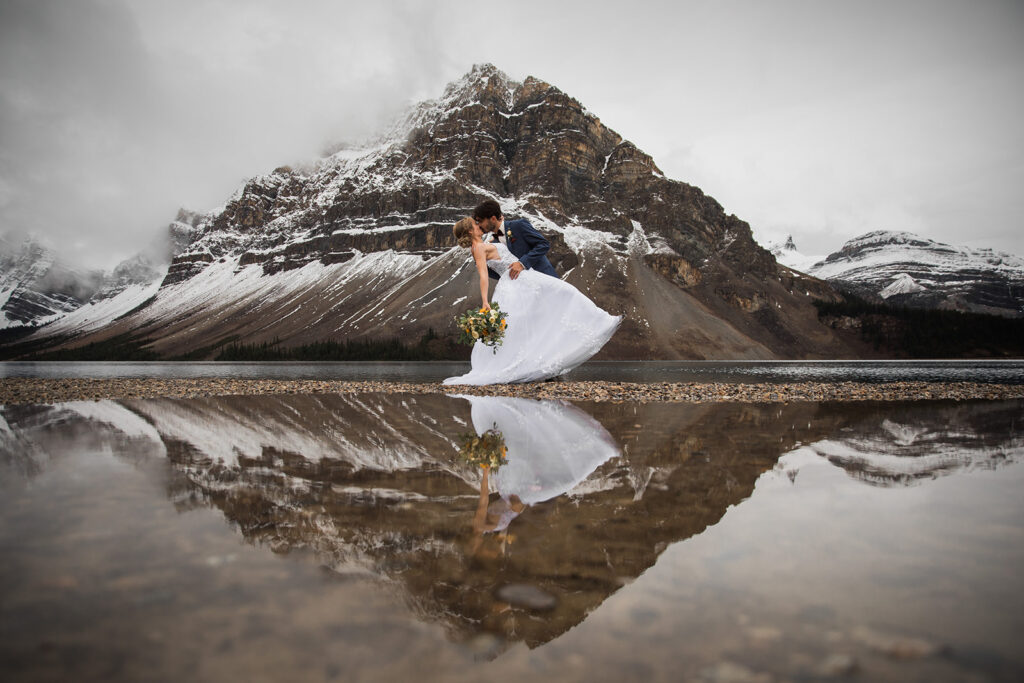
x,y
488,208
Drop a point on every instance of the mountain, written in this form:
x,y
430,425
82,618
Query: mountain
x,y
358,244
36,286
788,255
904,269
39,290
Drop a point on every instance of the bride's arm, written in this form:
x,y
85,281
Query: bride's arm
x,y
480,256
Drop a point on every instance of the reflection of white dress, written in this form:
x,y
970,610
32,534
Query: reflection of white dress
x,y
552,446
552,328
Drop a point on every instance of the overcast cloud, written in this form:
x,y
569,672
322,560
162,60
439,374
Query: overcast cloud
x,y
820,119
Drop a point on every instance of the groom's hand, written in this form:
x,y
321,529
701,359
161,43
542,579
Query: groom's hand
x,y
515,269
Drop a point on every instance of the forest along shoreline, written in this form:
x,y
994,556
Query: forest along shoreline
x,y
21,391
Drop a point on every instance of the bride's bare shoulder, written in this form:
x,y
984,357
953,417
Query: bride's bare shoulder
x,y
486,250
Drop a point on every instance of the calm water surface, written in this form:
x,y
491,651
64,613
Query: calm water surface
x,y
998,371
349,538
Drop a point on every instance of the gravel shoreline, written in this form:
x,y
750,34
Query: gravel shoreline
x,y
19,390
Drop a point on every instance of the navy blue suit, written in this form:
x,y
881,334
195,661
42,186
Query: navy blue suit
x,y
528,245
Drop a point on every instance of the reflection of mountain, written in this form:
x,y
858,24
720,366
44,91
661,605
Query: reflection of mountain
x,y
31,435
910,444
372,484
19,447
363,432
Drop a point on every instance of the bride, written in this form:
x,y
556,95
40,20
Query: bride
x,y
552,326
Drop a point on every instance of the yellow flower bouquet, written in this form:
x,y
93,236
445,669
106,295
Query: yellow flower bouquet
x,y
483,325
484,450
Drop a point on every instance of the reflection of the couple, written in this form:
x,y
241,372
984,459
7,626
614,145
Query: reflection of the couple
x,y
493,517
549,448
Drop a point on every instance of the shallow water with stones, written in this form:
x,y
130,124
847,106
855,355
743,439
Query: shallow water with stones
x,y
312,537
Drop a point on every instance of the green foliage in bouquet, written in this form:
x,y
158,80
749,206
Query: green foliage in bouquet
x,y
484,450
481,325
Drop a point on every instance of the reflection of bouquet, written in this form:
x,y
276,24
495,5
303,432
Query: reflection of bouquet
x,y
484,450
481,325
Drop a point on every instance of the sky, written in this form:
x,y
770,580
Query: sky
x,y
824,120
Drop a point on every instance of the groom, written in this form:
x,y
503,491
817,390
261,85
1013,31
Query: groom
x,y
521,238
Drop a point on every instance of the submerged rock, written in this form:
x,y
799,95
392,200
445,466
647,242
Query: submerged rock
x,y
837,665
527,596
897,647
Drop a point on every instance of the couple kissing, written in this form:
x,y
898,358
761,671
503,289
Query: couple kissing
x,y
552,326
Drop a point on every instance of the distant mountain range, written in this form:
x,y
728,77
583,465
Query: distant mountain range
x,y
357,245
40,289
903,269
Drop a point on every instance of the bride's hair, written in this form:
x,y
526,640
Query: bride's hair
x,y
463,231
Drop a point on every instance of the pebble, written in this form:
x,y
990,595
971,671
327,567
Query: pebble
x,y
837,665
484,646
731,672
25,390
525,595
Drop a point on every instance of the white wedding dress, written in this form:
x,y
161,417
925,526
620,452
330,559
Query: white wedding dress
x,y
553,447
552,328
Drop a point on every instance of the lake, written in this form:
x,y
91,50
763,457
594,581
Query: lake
x,y
989,371
356,537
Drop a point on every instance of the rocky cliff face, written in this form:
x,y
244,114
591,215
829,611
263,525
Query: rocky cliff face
x,y
904,269
359,245
528,144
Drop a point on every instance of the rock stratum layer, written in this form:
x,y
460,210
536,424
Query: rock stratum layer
x,y
358,245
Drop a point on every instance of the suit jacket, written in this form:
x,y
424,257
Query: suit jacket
x,y
528,245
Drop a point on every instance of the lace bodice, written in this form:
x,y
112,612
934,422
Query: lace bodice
x,y
505,259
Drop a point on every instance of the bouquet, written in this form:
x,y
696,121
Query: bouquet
x,y
485,450
483,325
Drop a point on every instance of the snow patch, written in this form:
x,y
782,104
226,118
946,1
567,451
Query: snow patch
x,y
638,244
903,284
582,239
117,416
94,315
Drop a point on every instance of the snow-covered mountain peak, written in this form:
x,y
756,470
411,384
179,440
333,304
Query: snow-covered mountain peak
x,y
38,287
484,81
909,269
886,238
788,255
885,247
484,85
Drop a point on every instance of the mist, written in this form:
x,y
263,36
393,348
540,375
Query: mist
x,y
821,120
116,115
